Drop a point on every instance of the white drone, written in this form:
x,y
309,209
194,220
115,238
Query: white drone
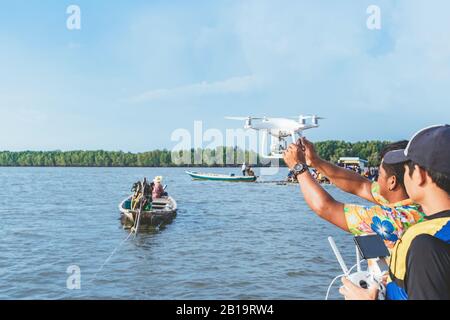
x,y
280,129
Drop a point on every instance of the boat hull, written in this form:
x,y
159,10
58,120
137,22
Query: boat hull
x,y
163,211
220,177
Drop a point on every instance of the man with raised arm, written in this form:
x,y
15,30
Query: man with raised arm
x,y
393,212
419,267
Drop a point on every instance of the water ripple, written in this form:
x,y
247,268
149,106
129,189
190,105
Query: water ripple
x,y
229,241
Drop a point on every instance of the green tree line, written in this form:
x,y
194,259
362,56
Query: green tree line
x,y
221,156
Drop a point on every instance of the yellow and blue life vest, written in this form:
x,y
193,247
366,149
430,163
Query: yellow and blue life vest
x,y
436,227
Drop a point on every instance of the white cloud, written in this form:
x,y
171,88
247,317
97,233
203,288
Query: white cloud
x,y
322,47
227,86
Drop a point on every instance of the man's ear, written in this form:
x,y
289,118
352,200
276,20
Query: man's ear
x,y
392,183
426,178
420,175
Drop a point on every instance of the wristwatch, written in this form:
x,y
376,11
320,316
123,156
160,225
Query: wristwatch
x,y
299,168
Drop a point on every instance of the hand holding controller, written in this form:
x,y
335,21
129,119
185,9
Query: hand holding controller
x,y
363,279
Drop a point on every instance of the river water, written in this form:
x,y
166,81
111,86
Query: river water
x,y
228,241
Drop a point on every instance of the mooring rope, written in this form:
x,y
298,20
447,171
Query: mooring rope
x,y
133,230
112,253
138,219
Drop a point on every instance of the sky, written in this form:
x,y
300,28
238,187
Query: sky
x,y
137,70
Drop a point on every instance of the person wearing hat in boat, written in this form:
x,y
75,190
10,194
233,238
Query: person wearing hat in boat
x,y
158,190
420,262
393,211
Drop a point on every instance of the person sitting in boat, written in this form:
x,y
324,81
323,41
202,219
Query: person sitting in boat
x,y
137,191
147,194
142,195
158,190
250,172
290,176
313,173
321,178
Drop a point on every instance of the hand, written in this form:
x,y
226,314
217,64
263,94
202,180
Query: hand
x,y
352,292
293,155
311,155
384,279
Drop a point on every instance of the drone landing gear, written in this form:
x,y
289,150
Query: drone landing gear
x,y
279,145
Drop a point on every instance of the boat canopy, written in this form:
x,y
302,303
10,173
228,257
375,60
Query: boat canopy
x,y
362,163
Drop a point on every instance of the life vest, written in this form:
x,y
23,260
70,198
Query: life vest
x,y
437,227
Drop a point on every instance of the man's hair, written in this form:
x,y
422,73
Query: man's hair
x,y
397,170
442,180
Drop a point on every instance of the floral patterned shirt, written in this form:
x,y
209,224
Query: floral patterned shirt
x,y
388,220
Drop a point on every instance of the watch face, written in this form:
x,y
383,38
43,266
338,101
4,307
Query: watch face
x,y
298,167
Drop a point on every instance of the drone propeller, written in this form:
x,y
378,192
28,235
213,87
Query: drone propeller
x,y
304,117
244,118
311,116
236,118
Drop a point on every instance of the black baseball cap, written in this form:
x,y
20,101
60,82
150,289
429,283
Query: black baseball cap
x,y
429,148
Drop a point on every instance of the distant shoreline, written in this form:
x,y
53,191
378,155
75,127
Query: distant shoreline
x,y
220,157
192,166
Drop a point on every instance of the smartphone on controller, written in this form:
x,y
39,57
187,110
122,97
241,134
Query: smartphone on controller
x,y
371,246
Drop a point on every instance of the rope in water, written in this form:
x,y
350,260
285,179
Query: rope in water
x,y
112,253
133,230
138,219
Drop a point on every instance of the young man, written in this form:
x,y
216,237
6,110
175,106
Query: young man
x,y
393,213
420,263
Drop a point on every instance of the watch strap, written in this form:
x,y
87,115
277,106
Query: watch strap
x,y
298,172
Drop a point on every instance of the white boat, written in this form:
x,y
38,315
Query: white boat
x,y
220,177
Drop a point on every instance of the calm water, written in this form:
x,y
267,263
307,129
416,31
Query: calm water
x,y
229,240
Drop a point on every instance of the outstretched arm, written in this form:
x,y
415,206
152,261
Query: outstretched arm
x,y
320,201
346,180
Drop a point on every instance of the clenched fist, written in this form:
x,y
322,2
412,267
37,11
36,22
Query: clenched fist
x,y
294,154
311,156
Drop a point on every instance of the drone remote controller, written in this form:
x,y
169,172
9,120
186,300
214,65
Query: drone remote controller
x,y
362,279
